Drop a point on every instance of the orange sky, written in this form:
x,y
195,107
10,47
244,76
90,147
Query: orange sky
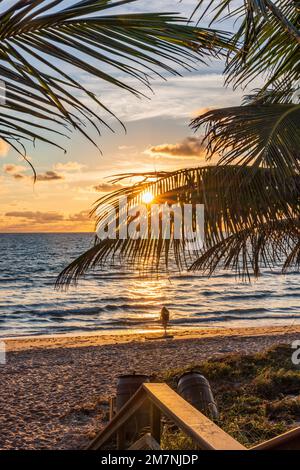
x,y
158,138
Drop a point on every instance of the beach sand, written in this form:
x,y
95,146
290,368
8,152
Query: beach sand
x,y
54,391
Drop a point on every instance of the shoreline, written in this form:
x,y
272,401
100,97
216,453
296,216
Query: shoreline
x,y
75,340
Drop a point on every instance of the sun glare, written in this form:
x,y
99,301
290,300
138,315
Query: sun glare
x,y
147,197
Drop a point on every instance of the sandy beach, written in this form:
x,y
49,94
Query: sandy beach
x,y
54,390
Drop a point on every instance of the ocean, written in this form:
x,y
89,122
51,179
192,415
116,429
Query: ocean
x,y
117,300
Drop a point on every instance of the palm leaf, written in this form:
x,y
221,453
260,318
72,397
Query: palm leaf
x,y
268,37
232,204
269,245
266,135
40,39
285,95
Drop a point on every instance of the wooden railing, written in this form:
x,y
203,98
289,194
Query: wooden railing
x,y
161,399
288,441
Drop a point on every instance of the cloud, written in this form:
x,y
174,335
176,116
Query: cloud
x,y
69,166
176,98
83,216
19,176
189,147
126,147
4,148
30,219
10,168
16,171
107,187
37,217
49,176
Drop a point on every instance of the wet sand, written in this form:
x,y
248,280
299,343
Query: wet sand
x,y
54,390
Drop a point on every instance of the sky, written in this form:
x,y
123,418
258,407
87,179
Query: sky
x,y
158,138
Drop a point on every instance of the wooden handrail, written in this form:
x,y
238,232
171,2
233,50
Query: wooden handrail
x,y
206,434
289,440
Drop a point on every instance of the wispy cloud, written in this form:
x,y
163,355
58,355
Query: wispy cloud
x,y
83,216
178,97
107,187
126,147
69,167
32,219
12,169
49,176
36,217
17,172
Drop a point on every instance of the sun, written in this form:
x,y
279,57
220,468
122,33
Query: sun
x,y
147,197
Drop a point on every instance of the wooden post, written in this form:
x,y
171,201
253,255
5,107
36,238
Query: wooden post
x,y
112,407
155,422
121,442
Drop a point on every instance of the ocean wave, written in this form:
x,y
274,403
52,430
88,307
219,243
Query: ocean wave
x,y
111,299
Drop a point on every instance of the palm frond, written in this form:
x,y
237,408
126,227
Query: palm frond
x,y
265,135
273,244
41,39
232,204
268,37
285,95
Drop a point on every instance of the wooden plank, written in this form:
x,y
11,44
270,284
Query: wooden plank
x,y
155,422
204,432
112,407
146,442
118,421
121,439
287,441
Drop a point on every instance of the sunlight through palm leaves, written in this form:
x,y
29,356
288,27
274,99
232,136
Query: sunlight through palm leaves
x,y
236,199
252,195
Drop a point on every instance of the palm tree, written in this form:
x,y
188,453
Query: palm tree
x,y
42,42
252,195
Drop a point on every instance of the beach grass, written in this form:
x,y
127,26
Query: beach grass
x,y
258,395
